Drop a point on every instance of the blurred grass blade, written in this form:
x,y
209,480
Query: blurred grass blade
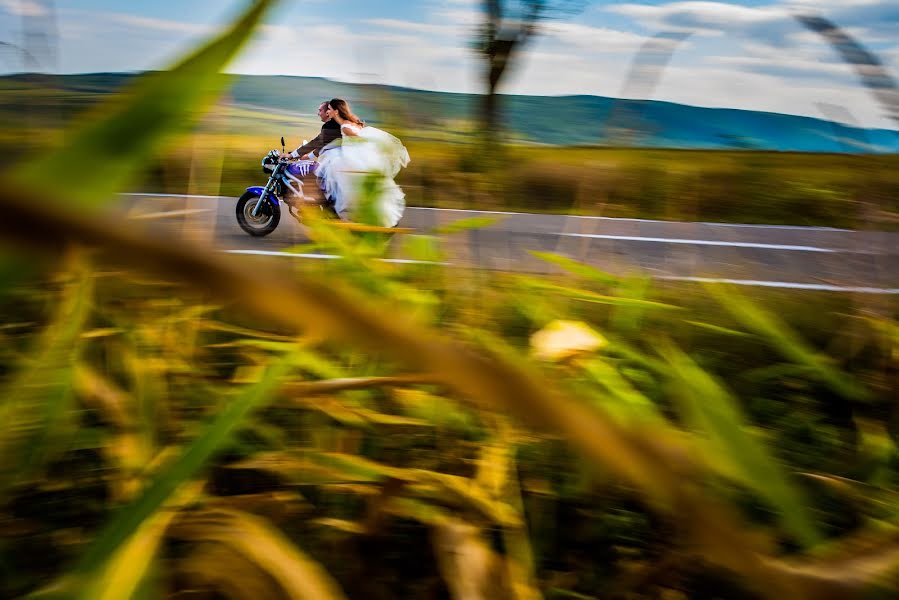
x,y
468,495
786,341
128,449
323,467
36,401
471,569
466,225
888,329
129,566
627,319
340,413
123,525
256,541
493,468
718,329
423,248
497,473
114,405
533,283
437,410
223,573
359,468
210,325
629,403
710,409
418,510
389,420
122,135
574,267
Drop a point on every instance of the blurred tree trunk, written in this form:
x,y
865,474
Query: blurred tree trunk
x,y
501,37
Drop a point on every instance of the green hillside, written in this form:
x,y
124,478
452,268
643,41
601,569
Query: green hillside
x,y
586,120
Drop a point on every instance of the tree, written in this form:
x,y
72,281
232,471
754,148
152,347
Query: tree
x,y
508,25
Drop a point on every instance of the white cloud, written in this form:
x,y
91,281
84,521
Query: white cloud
x,y
81,23
114,41
464,18
156,24
871,20
596,39
702,16
782,66
25,8
549,72
390,39
371,57
412,26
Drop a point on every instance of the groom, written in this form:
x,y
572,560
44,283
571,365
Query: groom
x,y
330,132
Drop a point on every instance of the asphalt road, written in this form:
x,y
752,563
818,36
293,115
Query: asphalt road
x,y
782,256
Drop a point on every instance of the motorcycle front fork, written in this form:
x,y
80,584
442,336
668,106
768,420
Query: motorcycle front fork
x,y
265,193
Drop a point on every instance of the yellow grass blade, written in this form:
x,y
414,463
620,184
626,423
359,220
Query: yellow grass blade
x,y
257,542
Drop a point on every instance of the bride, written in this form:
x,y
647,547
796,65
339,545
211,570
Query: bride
x,y
359,173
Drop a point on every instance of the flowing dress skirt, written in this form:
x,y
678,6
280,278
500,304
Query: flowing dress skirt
x,y
359,174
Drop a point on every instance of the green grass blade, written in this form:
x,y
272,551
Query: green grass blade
x,y
709,408
626,399
533,283
467,224
627,319
575,267
122,135
437,410
718,329
786,341
131,563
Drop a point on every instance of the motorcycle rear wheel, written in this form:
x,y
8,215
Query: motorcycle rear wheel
x,y
266,219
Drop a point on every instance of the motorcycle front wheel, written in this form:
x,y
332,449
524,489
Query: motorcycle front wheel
x,y
266,219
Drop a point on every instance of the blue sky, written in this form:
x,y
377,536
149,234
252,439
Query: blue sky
x,y
741,53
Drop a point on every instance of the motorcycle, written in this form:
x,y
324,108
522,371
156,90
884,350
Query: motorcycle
x,y
258,210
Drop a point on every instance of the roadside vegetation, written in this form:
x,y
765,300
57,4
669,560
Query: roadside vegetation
x,y
181,425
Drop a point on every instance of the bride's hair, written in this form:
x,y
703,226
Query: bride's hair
x,y
343,109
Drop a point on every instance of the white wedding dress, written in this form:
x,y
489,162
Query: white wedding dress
x,y
359,174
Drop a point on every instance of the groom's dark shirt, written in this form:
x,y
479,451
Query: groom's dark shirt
x,y
330,132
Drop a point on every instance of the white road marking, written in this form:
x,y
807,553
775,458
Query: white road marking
x,y
397,261
615,219
634,238
287,254
793,285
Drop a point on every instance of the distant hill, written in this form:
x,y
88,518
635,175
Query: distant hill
x,y
553,120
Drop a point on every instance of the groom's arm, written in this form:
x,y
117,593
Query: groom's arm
x,y
330,132
314,144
